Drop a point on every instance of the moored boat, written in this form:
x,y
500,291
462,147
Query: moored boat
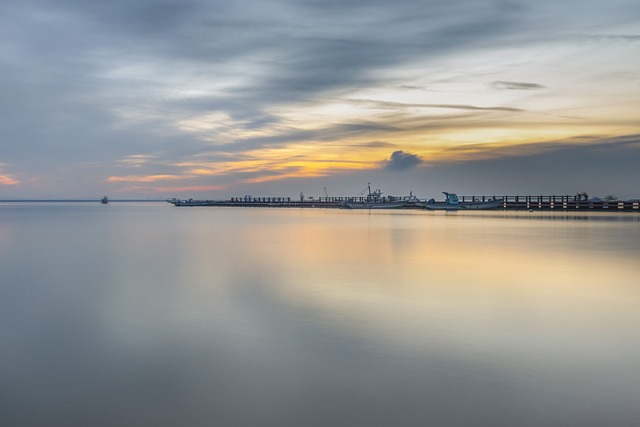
x,y
452,203
190,202
374,200
487,204
374,205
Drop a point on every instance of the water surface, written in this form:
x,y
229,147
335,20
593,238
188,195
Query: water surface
x,y
150,315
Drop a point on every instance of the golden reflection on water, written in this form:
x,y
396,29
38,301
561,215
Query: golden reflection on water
x,y
405,277
549,302
416,279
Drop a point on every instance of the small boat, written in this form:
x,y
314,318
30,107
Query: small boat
x,y
190,202
374,205
374,200
104,200
452,203
411,201
487,204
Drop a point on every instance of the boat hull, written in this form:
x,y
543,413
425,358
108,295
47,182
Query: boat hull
x,y
491,204
373,205
176,202
444,206
441,206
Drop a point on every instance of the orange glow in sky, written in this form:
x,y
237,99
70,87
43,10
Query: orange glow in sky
x,y
331,97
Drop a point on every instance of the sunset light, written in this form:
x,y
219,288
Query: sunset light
x,y
291,97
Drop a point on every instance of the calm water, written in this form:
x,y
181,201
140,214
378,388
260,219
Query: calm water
x,y
151,315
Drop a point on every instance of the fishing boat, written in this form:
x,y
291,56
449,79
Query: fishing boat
x,y
190,202
411,201
104,200
487,204
373,200
452,203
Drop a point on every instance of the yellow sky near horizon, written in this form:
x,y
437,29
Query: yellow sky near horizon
x,y
481,105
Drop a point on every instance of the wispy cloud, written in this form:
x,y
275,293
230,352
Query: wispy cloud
x,y
372,144
8,180
144,178
187,189
136,160
502,85
401,105
286,173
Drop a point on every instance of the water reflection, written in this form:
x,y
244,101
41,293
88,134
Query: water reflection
x,y
141,315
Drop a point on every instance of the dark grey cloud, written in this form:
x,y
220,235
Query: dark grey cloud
x,y
516,85
400,161
65,50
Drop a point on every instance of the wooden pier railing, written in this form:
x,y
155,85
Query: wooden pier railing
x,y
558,203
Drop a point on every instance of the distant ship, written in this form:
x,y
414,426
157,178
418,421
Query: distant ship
x,y
104,200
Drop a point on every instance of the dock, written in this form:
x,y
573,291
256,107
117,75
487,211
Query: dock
x,y
537,203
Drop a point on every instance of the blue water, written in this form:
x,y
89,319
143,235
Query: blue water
x,y
143,314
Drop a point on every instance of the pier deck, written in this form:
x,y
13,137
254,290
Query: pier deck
x,y
539,203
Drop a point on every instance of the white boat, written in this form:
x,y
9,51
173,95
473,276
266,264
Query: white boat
x,y
452,203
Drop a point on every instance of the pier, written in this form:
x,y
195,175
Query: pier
x,y
537,203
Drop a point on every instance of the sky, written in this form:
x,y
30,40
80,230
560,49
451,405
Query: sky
x,y
215,99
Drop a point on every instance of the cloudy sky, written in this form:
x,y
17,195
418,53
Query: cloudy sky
x,y
211,98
